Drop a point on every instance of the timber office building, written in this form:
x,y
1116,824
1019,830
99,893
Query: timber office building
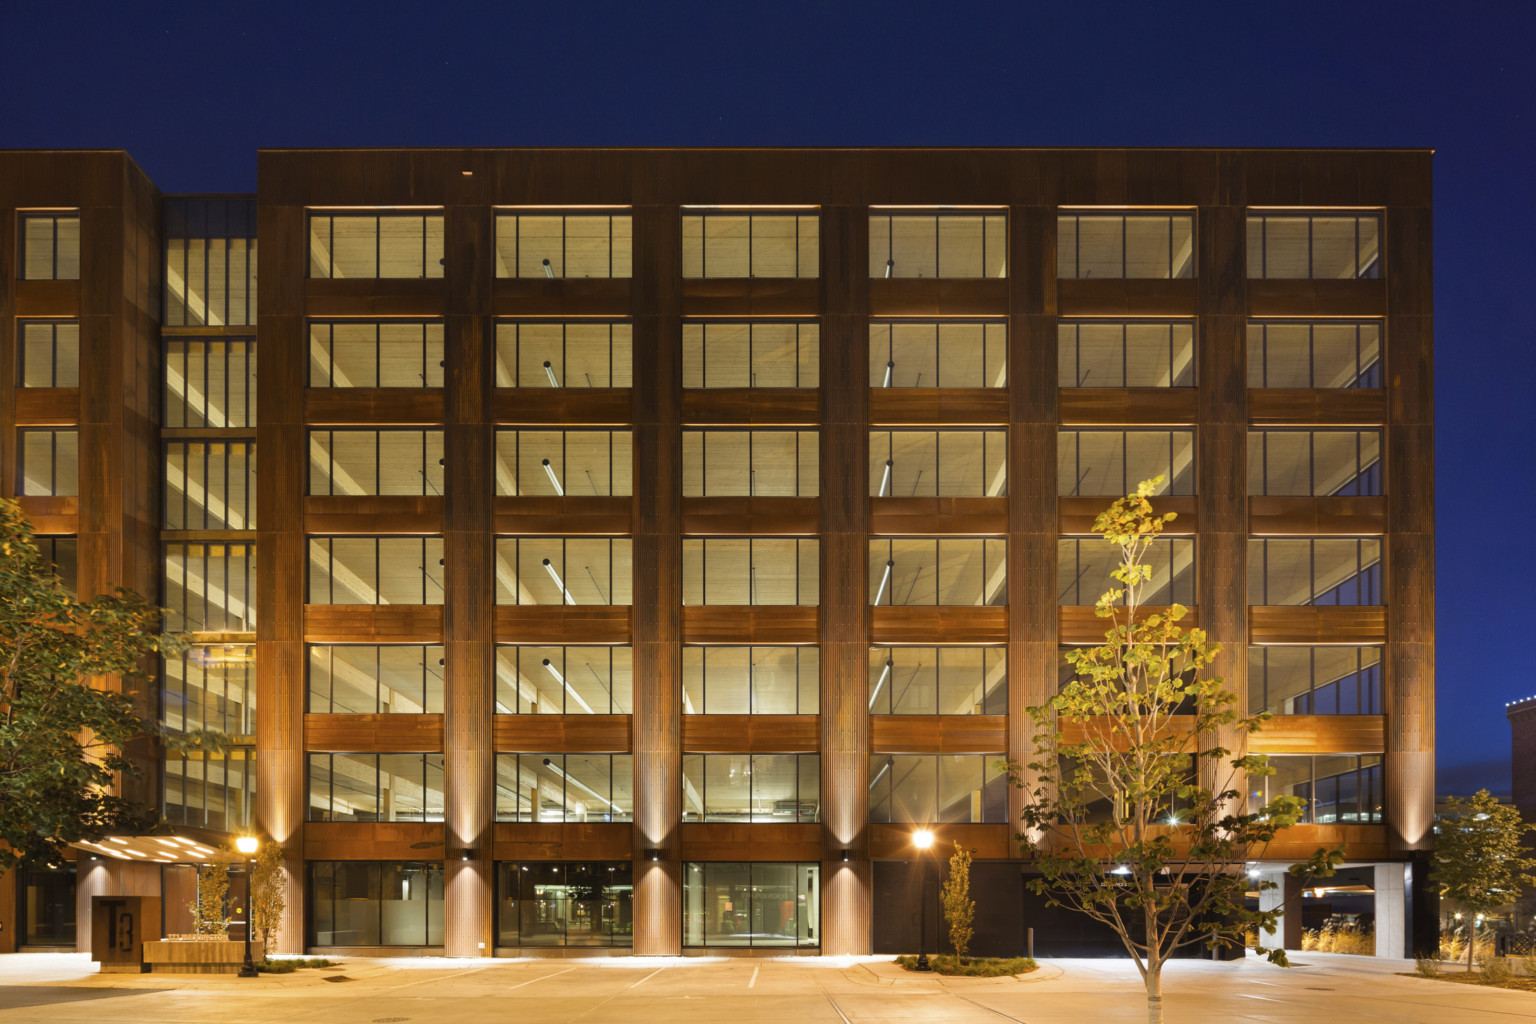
x,y
629,548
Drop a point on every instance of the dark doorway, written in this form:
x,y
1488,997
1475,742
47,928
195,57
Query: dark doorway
x,y
997,888
47,906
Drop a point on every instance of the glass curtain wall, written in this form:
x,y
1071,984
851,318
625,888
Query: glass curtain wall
x,y
921,789
733,904
752,354
938,571
50,353
576,354
372,903
535,680
938,681
1125,354
565,903
552,243
751,680
375,354
375,679
210,262
773,788
909,243
938,354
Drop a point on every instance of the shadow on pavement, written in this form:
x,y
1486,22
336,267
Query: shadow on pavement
x,y
15,996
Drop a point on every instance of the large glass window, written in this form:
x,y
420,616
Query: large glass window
x,y
210,485
577,354
1084,565
1314,571
751,680
45,905
938,243
565,903
375,787
932,789
1321,245
760,463
1110,463
534,680
211,790
1100,244
938,354
561,462
375,354
752,354
373,679
943,463
751,904
938,681
375,570
779,788
1125,354
751,570
210,686
364,244
563,570
1314,354
50,353
743,243
210,588
1342,789
366,903
1314,462
210,262
50,245
63,553
50,462
210,383
555,244
565,787
361,461
1314,680
938,570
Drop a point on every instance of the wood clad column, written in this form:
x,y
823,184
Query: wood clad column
x,y
280,551
658,578
846,887
469,584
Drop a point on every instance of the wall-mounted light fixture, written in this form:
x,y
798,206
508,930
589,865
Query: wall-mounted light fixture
x,y
847,856
653,853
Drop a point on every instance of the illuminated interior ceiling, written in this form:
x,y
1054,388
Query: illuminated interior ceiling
x,y
168,849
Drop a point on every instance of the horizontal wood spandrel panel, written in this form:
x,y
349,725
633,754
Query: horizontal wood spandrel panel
x,y
1278,516
1308,407
562,407
1080,624
1271,624
728,517
945,624
362,733
373,297
747,624
563,624
752,406
1321,734
894,407
751,296
554,734
374,840
52,514
1129,406
1127,297
1360,842
1075,515
46,407
562,296
373,514
938,734
368,623
373,406
47,298
991,842
979,517
760,841
597,840
1317,298
572,514
751,734
906,296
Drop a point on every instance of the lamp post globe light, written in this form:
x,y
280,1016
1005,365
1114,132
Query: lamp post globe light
x,y
247,846
922,839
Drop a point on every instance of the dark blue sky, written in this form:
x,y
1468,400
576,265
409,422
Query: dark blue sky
x,y
192,89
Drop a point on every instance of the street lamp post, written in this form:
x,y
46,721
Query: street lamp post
x,y
247,845
922,839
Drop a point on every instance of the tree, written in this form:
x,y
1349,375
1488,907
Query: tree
x,y
1134,809
269,891
959,908
210,913
61,738
1480,857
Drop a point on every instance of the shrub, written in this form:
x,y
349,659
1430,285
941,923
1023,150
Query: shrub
x,y
1496,969
1426,967
1346,938
285,966
973,967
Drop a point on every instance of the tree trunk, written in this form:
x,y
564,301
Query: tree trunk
x,y
1154,991
1471,941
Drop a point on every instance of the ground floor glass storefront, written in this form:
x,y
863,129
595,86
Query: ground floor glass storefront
x,y
758,905
47,910
369,903
565,903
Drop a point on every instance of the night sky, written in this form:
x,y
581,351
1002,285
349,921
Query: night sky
x,y
192,90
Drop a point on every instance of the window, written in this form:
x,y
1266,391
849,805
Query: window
x,y
1314,680
938,570
210,383
760,463
210,262
1107,244
372,679
1342,245
376,570
213,791
50,354
1314,571
1084,564
402,244
1125,354
553,244
565,903
751,680
752,354
50,462
375,354
741,243
565,680
938,243
63,554
210,686
778,788
355,462
751,571
1315,354
365,903
210,588
210,485
944,354
1314,462
582,354
50,245
375,787
561,462
758,904
938,681
929,789
1110,463
564,787
943,463
563,570
1333,788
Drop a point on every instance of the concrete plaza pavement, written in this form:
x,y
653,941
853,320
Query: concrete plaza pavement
x,y
1321,989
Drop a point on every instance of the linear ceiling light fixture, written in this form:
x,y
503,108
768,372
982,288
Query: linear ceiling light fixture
x,y
890,371
549,371
558,582
885,481
549,271
885,674
550,472
568,687
550,764
889,565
